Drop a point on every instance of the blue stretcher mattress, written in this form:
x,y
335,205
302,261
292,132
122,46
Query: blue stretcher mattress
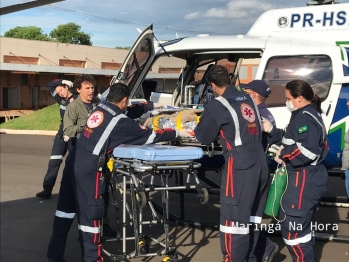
x,y
158,152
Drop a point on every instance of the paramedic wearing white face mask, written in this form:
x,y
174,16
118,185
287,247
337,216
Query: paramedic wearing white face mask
x,y
303,150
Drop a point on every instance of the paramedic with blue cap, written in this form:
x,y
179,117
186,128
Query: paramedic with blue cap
x,y
233,117
106,128
259,91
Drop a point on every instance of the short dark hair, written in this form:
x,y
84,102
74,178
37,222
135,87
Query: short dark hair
x,y
219,76
299,87
84,78
117,92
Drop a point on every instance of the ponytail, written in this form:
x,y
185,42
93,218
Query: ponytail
x,y
316,102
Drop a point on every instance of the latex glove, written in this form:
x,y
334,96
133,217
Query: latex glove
x,y
66,138
267,126
277,155
158,105
185,133
67,82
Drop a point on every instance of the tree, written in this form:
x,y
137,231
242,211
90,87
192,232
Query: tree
x,y
27,32
70,33
123,47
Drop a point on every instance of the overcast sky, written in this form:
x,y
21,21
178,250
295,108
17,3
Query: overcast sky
x,y
114,23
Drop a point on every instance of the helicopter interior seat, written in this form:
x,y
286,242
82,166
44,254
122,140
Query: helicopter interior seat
x,y
148,87
203,91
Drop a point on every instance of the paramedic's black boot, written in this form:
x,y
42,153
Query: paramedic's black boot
x,y
51,260
108,231
272,254
46,193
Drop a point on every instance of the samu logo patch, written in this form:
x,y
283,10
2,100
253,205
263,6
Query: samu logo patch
x,y
95,119
302,129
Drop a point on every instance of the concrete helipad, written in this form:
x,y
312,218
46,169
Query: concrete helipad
x,y
26,221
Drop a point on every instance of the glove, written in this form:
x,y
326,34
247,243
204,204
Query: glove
x,y
267,126
185,133
158,105
277,155
66,138
67,82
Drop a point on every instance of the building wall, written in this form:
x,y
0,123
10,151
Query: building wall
x,y
31,87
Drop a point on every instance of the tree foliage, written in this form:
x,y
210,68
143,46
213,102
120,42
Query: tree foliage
x,y
70,33
123,47
27,32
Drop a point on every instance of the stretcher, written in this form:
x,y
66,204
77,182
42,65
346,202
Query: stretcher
x,y
138,172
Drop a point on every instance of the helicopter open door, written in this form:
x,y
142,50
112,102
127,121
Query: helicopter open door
x,y
136,63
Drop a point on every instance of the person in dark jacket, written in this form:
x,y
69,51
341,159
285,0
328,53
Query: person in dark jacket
x,y
64,93
106,128
233,117
303,150
259,91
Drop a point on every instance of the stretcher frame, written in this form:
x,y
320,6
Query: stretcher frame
x,y
132,171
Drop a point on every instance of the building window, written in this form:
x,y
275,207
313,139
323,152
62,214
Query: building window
x,y
109,65
72,63
12,59
10,98
24,80
243,73
254,71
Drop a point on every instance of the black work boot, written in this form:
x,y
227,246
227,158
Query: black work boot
x,y
46,193
52,260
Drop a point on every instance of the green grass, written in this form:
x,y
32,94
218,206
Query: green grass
x,y
47,118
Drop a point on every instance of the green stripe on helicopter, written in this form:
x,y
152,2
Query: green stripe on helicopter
x,y
340,44
342,128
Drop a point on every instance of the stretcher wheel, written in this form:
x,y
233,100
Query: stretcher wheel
x,y
173,258
203,195
141,199
143,247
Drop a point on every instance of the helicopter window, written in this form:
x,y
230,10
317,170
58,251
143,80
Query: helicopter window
x,y
315,69
139,59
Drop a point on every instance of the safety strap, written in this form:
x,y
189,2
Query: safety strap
x,y
226,104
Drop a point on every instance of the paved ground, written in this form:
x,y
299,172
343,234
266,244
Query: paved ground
x,y
26,222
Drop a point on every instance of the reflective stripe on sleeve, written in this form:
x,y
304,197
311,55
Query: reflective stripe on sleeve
x,y
106,134
56,157
306,152
64,214
293,242
235,119
288,141
234,230
255,219
151,138
93,230
62,107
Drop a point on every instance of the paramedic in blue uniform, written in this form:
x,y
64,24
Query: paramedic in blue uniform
x,y
259,91
63,92
233,117
106,128
303,150
263,248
